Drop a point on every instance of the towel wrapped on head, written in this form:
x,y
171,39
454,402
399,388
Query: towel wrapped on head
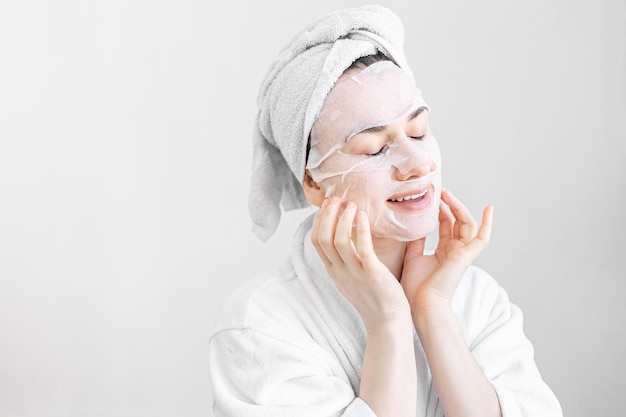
x,y
293,93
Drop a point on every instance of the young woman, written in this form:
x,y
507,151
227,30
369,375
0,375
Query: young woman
x,y
361,321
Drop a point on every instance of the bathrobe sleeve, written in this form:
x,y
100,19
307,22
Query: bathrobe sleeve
x,y
505,353
257,374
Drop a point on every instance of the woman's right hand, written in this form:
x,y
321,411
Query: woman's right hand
x,y
354,267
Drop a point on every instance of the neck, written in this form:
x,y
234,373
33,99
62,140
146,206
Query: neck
x,y
391,254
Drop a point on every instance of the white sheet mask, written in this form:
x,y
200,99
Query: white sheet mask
x,y
371,144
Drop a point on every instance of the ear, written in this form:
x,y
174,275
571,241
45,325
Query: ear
x,y
312,190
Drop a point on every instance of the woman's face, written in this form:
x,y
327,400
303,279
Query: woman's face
x,y
372,145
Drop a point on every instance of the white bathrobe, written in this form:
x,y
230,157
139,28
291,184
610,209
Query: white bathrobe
x,y
288,344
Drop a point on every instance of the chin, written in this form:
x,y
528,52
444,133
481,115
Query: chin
x,y
406,232
406,227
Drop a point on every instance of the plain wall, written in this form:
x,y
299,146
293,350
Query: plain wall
x,y
125,136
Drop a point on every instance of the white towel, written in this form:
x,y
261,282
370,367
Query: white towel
x,y
292,94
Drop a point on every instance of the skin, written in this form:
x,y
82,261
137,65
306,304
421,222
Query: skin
x,y
394,286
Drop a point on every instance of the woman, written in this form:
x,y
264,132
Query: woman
x,y
361,321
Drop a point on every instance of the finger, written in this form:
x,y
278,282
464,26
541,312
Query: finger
x,y
316,221
446,222
486,226
364,245
315,234
343,236
465,225
414,249
326,233
484,232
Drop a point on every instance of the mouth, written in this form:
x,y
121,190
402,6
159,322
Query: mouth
x,y
416,200
409,197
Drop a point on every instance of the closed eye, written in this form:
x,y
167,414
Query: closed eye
x,y
380,151
418,137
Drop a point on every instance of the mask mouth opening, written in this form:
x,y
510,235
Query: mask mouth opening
x,y
418,196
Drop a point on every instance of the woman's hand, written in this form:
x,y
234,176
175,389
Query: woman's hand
x,y
430,281
354,267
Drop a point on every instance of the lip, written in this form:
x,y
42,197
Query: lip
x,y
413,205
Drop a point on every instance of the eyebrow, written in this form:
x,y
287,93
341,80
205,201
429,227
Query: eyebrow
x,y
413,115
416,113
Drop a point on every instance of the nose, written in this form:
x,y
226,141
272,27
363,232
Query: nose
x,y
415,163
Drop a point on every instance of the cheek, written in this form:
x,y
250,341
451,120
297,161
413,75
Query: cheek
x,y
434,151
362,187
437,157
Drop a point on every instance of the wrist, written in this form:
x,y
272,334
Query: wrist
x,y
432,317
393,323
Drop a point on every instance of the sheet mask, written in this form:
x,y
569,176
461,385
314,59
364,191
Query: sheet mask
x,y
366,147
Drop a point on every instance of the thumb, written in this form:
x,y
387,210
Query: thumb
x,y
414,249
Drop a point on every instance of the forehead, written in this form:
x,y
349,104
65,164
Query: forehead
x,y
372,97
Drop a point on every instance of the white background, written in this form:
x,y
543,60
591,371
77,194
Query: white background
x,y
125,136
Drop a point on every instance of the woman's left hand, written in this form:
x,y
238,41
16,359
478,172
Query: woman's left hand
x,y
430,281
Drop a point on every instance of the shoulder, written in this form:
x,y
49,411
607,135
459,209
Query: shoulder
x,y
480,300
273,303
478,285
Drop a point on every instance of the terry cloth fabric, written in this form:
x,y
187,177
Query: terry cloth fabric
x,y
289,344
292,94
